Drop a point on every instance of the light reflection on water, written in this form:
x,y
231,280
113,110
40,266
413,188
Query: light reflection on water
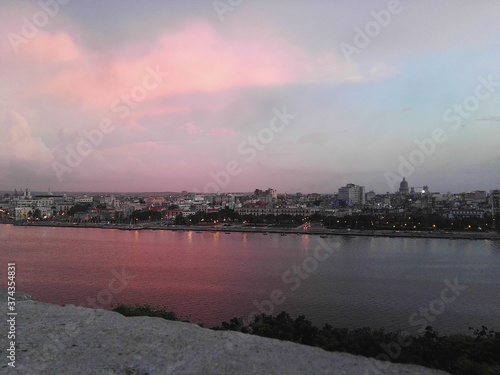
x,y
212,277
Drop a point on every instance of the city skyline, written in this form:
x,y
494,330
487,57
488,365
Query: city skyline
x,y
411,189
167,96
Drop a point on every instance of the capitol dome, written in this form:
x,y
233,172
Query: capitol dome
x,y
403,187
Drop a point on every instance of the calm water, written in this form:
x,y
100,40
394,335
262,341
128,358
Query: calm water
x,y
212,277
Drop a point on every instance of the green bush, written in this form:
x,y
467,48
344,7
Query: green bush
x,y
144,310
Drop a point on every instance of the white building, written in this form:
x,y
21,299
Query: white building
x,y
84,199
110,201
25,201
23,213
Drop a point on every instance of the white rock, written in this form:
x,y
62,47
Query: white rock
x,y
52,339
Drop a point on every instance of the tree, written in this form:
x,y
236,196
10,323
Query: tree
x,y
78,208
179,219
146,215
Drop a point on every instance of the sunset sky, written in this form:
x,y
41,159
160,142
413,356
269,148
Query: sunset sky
x,y
174,91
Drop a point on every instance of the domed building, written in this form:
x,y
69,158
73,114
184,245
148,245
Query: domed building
x,y
403,187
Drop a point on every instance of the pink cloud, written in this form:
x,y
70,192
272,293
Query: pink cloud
x,y
157,112
141,148
18,139
138,119
63,86
191,129
314,138
222,132
51,48
196,58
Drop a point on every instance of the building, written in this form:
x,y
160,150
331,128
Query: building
x,y
495,202
84,199
64,205
352,193
370,196
255,208
465,214
403,187
110,201
269,195
475,196
154,201
25,201
267,209
23,213
46,204
423,190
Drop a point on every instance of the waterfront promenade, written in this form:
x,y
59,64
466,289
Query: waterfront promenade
x,y
276,230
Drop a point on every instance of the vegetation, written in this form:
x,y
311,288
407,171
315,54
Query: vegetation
x,y
37,214
417,220
146,216
79,207
458,354
144,310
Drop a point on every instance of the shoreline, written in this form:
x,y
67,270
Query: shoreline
x,y
275,230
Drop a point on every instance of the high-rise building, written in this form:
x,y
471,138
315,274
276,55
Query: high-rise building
x,y
352,193
269,195
495,201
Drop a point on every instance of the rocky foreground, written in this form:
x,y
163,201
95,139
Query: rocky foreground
x,y
52,339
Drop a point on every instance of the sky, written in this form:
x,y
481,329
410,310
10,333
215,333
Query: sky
x,y
234,95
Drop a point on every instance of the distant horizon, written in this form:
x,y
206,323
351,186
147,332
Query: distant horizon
x,y
20,191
